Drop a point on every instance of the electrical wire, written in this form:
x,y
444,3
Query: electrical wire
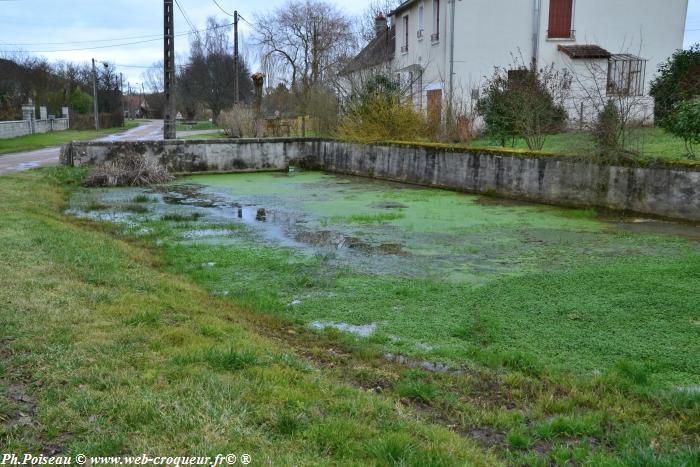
x,y
220,8
160,38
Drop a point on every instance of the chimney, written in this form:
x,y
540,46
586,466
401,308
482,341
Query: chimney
x,y
380,24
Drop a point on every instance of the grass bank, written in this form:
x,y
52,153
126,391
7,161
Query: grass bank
x,y
198,125
103,353
56,138
649,143
214,135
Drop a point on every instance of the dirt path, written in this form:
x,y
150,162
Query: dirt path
x,y
20,161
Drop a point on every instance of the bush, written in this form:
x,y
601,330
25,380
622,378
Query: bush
x,y
684,122
241,122
607,131
524,103
80,102
87,121
129,169
678,80
377,113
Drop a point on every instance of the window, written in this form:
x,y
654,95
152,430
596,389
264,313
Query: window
x,y
404,47
419,33
435,36
626,75
561,14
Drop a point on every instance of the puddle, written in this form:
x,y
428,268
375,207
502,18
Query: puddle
x,y
195,234
435,367
364,330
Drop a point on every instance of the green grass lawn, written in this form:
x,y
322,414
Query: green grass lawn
x,y
56,138
649,143
200,125
214,135
576,341
103,353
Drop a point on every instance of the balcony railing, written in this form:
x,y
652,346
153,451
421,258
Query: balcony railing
x,y
404,49
435,36
419,34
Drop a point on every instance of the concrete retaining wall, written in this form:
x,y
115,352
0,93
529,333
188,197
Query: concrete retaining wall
x,y
672,192
180,157
17,128
661,191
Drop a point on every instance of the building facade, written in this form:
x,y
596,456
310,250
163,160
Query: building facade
x,y
612,47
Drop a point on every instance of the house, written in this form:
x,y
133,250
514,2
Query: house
x,y
447,48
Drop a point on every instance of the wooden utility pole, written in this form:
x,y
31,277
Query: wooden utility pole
x,y
95,108
237,94
169,69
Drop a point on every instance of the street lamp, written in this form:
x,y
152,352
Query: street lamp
x,y
94,93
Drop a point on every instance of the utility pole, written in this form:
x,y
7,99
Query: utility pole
x,y
121,94
237,95
94,96
169,67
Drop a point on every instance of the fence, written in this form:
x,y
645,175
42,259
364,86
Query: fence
x,y
17,128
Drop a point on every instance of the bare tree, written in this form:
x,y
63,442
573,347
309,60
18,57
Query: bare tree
x,y
311,38
365,22
208,76
610,92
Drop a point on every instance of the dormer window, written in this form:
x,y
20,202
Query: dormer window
x,y
435,36
561,15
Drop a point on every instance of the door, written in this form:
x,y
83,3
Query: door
x,y
435,106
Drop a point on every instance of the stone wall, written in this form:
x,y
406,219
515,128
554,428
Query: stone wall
x,y
13,129
672,191
181,157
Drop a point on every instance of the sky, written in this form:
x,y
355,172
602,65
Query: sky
x,y
56,29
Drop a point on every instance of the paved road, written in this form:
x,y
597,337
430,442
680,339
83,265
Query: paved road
x,y
17,162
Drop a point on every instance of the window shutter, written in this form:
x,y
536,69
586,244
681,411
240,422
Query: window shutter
x,y
560,16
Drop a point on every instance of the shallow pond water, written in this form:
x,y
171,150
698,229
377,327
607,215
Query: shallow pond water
x,y
412,268
379,227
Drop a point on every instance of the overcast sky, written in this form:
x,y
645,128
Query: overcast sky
x,y
57,28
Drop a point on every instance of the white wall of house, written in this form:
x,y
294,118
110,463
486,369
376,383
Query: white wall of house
x,y
491,33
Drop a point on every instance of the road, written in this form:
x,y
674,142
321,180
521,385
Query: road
x,y
19,161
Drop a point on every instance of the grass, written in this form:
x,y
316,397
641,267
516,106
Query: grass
x,y
110,356
56,138
575,357
214,135
192,126
650,143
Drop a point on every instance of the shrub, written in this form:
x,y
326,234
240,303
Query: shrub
x,y
684,122
129,169
678,80
377,112
524,103
241,122
607,131
80,101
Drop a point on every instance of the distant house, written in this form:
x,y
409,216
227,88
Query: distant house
x,y
443,48
135,106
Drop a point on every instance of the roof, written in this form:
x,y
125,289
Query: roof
x,y
380,50
402,7
584,51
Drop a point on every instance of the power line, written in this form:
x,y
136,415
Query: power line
x,y
220,8
196,31
85,42
184,15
